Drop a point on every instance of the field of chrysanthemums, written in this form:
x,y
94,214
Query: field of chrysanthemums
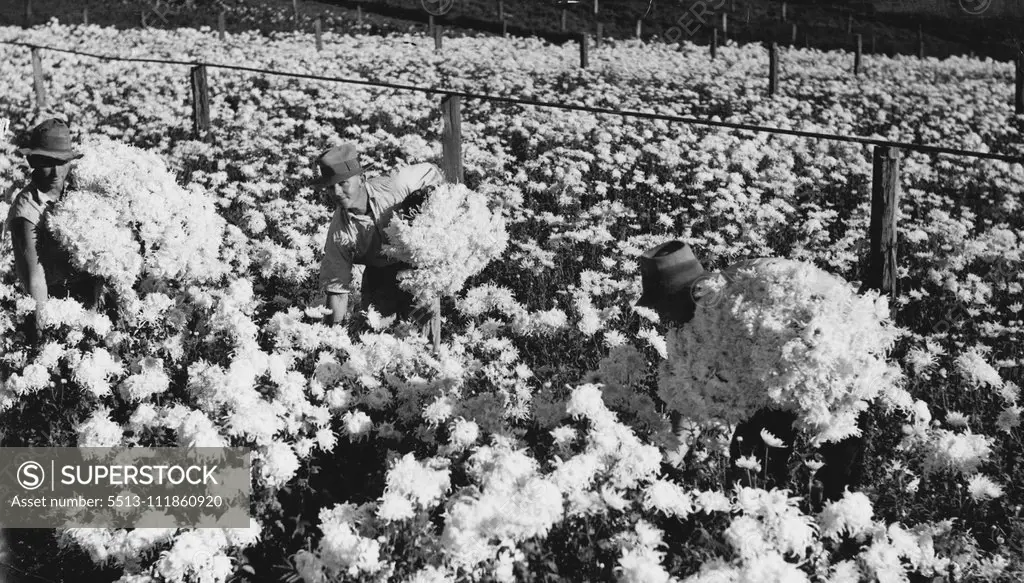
x,y
499,459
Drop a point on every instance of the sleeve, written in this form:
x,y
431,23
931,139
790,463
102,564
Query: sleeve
x,y
413,178
336,266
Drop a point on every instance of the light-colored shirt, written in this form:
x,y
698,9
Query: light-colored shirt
x,y
359,239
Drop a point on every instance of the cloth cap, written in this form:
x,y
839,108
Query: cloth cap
x,y
338,164
52,139
667,269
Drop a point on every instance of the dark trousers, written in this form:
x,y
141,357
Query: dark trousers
x,y
842,459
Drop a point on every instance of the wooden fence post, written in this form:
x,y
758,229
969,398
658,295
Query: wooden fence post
x,y
748,15
504,29
920,42
639,29
783,12
773,69
200,101
565,20
501,9
295,8
595,8
359,14
583,50
451,138
221,24
885,193
725,27
857,55
849,24
1019,96
714,42
600,34
430,24
28,14
872,43
37,78
85,16
438,33
792,36
451,152
318,31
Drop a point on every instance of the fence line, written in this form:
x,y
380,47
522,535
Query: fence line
x,y
924,148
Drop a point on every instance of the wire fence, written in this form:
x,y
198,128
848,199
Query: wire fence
x,y
924,148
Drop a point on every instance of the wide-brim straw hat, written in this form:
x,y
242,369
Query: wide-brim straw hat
x,y
667,269
51,139
338,164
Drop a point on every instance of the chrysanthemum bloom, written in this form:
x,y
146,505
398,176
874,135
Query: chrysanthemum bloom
x,y
783,334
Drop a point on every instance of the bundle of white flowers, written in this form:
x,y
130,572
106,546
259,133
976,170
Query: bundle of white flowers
x,y
128,218
452,237
783,334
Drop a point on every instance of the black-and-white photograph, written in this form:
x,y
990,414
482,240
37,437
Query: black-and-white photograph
x,y
502,291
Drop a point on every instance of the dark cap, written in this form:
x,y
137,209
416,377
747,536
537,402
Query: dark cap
x,y
667,269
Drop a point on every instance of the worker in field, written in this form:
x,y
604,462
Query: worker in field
x,y
43,269
670,273
363,209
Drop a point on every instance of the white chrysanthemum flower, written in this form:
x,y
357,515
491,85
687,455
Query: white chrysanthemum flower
x,y
956,419
452,237
394,507
357,424
99,431
464,433
982,488
563,435
94,371
785,334
279,464
956,452
439,411
749,463
770,440
976,370
669,499
851,515
423,482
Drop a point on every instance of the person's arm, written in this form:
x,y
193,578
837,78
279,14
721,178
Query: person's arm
x,y
26,260
338,305
336,276
417,176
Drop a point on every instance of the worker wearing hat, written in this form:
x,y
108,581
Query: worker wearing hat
x,y
670,273
43,269
363,209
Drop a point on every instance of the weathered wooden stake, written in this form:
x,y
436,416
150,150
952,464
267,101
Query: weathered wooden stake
x,y
595,8
221,24
714,42
565,20
1019,97
748,15
85,16
885,194
37,78
783,12
872,43
359,14
28,14
200,101
773,69
295,7
438,32
599,36
920,42
504,29
725,26
857,55
583,51
501,9
318,31
430,24
451,138
639,29
792,35
849,24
